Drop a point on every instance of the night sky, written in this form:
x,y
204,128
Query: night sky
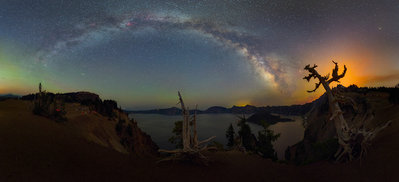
x,y
217,52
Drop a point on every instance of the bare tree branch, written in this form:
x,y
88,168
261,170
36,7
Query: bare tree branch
x,y
316,87
347,136
335,76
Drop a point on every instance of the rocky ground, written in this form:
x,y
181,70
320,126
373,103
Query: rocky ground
x,y
34,148
365,107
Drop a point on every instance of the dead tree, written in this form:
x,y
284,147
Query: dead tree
x,y
191,146
194,140
186,134
346,134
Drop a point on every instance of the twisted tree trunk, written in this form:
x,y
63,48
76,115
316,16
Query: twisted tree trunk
x,y
346,135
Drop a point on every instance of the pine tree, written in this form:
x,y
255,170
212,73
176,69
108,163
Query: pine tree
x,y
247,138
264,146
230,134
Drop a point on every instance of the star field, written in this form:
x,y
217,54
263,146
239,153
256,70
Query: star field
x,y
216,52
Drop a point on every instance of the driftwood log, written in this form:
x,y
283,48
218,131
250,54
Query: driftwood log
x,y
348,136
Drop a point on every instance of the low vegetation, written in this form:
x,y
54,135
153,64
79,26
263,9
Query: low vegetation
x,y
248,142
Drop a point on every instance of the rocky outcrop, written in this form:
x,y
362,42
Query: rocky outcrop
x,y
106,107
318,133
320,141
102,122
92,100
81,97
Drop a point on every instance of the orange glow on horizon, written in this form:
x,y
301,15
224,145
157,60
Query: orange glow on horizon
x,y
242,103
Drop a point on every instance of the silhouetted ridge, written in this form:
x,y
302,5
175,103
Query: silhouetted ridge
x,y
92,100
8,96
248,109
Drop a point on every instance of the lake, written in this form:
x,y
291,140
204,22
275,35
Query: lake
x,y
160,128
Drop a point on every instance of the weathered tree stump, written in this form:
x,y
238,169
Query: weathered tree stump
x,y
192,148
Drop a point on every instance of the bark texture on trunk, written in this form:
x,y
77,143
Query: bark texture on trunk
x,y
346,134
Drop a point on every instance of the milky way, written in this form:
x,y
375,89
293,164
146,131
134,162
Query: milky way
x,y
231,37
218,52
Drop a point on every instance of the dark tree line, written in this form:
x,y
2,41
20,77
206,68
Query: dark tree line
x,y
245,140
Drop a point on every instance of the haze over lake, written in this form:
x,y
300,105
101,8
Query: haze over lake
x,y
160,128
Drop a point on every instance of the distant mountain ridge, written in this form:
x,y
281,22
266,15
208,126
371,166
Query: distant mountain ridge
x,y
248,109
8,96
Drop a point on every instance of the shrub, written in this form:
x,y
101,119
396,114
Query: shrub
x,y
177,137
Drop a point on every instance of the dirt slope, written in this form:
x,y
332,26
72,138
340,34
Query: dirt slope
x,y
33,148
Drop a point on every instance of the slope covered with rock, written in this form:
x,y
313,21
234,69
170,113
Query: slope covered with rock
x,y
101,122
363,107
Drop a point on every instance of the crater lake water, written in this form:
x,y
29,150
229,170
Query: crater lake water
x,y
160,128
